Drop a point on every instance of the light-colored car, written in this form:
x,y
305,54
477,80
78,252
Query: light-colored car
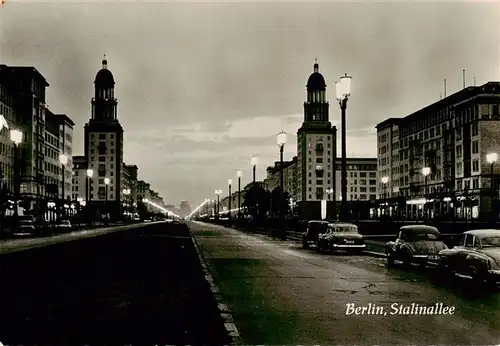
x,y
341,236
64,224
476,258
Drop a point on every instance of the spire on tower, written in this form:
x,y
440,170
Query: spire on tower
x,y
104,62
316,66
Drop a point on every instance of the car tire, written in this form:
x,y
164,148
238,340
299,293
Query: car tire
x,y
478,279
406,259
390,260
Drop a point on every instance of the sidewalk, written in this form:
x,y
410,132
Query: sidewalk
x,y
17,244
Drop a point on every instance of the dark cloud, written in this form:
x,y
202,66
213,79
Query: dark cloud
x,y
212,64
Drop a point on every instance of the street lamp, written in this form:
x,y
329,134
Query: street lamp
x,y
425,172
239,174
384,181
254,161
16,137
218,193
343,91
63,159
492,158
229,183
281,140
90,174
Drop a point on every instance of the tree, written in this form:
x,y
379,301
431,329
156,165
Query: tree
x,y
280,202
256,200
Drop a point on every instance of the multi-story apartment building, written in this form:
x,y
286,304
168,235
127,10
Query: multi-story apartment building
x,y
272,180
451,139
9,113
45,137
388,158
27,86
79,188
316,145
130,183
361,179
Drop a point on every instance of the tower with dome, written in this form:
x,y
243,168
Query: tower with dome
x,y
316,149
104,146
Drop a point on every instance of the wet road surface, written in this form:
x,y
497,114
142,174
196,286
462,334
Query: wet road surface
x,y
142,286
282,294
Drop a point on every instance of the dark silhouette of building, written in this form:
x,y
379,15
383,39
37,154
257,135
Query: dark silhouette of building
x,y
104,146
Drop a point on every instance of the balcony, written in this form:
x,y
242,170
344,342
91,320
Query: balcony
x,y
320,172
319,148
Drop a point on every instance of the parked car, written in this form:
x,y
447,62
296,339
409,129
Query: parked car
x,y
341,236
64,225
477,258
419,244
313,230
25,227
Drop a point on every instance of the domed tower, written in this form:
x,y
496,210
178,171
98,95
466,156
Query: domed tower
x,y
104,104
316,151
104,147
316,106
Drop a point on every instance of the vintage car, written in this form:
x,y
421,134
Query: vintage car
x,y
415,244
313,230
477,258
341,236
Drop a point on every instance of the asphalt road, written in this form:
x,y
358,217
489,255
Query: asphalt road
x,y
282,294
140,286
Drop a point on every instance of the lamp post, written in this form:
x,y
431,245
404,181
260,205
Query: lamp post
x,y
425,172
281,140
90,174
126,192
229,183
106,182
384,181
218,193
492,158
239,174
329,192
254,161
16,137
343,91
63,159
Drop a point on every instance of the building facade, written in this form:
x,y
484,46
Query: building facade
x,y
451,139
388,158
361,179
104,146
79,188
316,144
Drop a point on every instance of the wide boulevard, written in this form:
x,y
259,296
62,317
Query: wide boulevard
x,y
282,294
139,285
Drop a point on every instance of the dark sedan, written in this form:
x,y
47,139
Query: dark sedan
x,y
477,258
314,228
419,244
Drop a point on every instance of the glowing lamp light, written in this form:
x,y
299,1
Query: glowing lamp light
x,y
426,171
90,173
230,182
239,174
343,88
63,159
106,181
492,158
281,138
385,180
16,136
254,161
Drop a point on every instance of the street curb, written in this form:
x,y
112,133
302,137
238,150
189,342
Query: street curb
x,y
225,314
374,254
